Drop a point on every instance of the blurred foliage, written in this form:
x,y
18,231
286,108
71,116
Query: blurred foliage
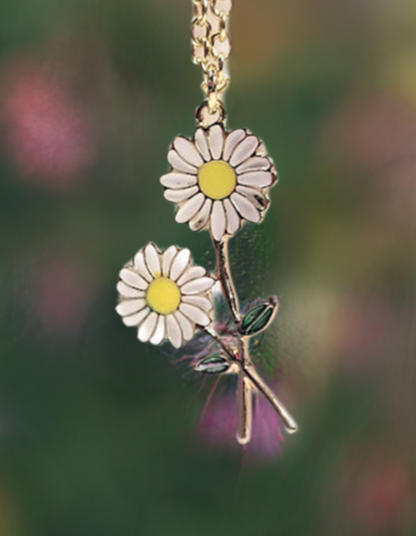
x,y
98,433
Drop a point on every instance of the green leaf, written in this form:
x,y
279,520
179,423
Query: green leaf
x,y
212,365
259,318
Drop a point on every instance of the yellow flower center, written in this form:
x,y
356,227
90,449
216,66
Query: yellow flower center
x,y
217,179
163,296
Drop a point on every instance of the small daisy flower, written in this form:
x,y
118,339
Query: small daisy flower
x,y
165,296
219,179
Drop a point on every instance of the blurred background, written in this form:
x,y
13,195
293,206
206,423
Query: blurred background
x,y
101,435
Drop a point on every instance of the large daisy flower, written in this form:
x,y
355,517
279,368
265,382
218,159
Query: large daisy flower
x,y
164,295
219,179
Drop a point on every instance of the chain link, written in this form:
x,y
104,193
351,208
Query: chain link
x,y
211,47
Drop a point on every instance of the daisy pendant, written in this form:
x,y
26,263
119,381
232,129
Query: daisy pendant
x,y
219,180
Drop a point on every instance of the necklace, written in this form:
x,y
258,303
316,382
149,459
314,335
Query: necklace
x,y
218,181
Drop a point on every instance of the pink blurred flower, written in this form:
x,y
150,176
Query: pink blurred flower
x,y
46,131
370,331
376,490
371,131
62,290
380,498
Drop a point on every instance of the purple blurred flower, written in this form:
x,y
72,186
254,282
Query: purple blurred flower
x,y
218,425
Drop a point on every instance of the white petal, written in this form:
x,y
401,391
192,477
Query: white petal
x,y
198,286
188,210
140,264
255,196
202,144
167,259
178,180
261,179
177,196
200,220
195,314
135,320
257,163
218,221
216,139
233,139
199,301
152,258
148,327
244,150
133,279
130,307
160,330
174,331
187,151
179,163
128,292
180,263
233,219
191,273
188,329
247,210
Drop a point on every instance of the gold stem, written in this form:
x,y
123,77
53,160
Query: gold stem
x,y
288,420
245,409
244,391
224,275
251,376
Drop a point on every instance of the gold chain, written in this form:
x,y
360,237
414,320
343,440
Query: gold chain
x,y
211,47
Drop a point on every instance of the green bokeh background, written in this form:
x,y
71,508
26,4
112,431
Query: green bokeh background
x,y
97,431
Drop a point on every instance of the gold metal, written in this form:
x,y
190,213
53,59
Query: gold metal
x,y
211,47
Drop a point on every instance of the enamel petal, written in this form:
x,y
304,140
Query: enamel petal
x,y
160,331
179,163
191,273
187,327
167,259
135,320
259,179
148,327
129,307
245,208
233,219
188,210
233,139
177,180
244,150
140,264
202,144
195,314
200,220
187,150
152,259
199,301
218,221
180,263
134,280
254,195
177,196
174,331
198,286
256,163
216,139
128,292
